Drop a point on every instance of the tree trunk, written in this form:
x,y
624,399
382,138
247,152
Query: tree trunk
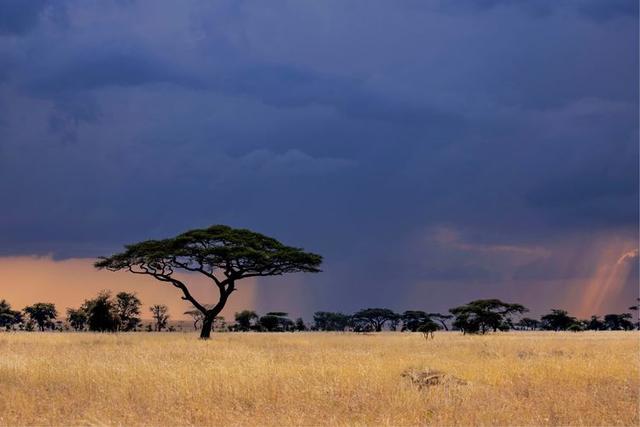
x,y
207,324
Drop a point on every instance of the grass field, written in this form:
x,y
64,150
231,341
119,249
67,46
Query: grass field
x,y
535,378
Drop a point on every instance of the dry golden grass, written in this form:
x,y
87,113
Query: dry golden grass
x,y
317,379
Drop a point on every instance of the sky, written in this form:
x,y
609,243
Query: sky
x,y
434,152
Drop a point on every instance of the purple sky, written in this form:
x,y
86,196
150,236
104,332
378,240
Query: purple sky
x,y
433,151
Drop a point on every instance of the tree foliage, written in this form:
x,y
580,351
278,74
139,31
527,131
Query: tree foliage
x,y
246,320
300,325
8,317
43,314
77,318
428,327
375,317
222,254
160,314
101,313
617,322
557,320
276,321
441,318
527,323
480,316
127,311
330,321
413,319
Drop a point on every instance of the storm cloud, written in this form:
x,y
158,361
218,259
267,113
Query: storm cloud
x,y
441,150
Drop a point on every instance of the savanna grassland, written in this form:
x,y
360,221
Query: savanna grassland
x,y
532,378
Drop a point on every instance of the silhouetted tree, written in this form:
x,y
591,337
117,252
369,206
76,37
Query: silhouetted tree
x,y
101,313
222,254
300,325
527,323
393,323
616,322
43,314
442,318
220,324
413,319
127,311
557,320
595,324
360,326
8,317
269,323
196,315
636,308
575,327
77,318
483,315
246,320
428,328
330,321
376,317
276,321
160,314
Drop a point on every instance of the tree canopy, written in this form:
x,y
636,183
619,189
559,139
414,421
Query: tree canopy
x,y
557,320
483,315
374,317
330,321
221,253
413,319
8,317
43,313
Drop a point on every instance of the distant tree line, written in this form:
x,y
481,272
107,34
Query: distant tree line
x,y
122,313
104,313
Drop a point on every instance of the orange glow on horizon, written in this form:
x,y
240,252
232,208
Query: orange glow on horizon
x,y
25,280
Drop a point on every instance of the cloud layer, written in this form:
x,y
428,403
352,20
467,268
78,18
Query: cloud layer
x,y
360,130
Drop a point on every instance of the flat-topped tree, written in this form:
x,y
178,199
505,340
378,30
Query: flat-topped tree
x,y
223,254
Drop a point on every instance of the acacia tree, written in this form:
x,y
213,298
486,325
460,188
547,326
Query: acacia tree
x,y
413,319
557,320
8,317
101,313
222,254
127,308
527,323
442,318
160,314
276,321
196,315
482,315
77,318
428,327
330,321
636,308
617,322
246,320
375,317
43,313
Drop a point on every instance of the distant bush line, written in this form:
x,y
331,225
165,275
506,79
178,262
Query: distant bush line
x,y
121,313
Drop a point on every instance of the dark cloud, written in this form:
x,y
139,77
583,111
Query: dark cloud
x,y
345,128
605,10
18,17
107,68
597,10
